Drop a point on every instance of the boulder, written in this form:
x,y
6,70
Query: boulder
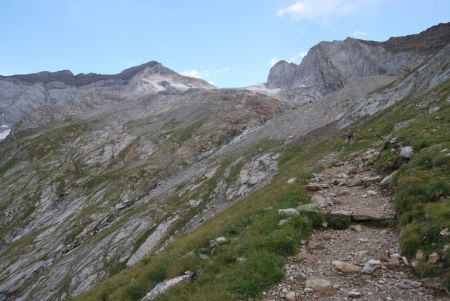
x,y
371,180
371,193
434,110
354,182
371,266
308,207
291,296
387,181
354,294
320,201
346,267
289,212
304,256
433,258
356,228
407,284
221,240
312,186
394,262
283,221
434,283
214,243
194,203
318,284
407,152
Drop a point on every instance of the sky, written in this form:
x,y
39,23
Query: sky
x,y
230,43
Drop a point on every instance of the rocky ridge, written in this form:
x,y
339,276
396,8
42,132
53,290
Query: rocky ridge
x,y
329,66
22,94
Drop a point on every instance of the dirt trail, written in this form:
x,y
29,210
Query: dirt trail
x,y
331,265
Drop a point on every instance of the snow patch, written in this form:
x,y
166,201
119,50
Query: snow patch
x,y
261,88
4,134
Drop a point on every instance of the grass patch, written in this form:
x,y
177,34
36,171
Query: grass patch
x,y
7,165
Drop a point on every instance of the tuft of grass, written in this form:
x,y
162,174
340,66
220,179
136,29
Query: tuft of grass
x,y
258,272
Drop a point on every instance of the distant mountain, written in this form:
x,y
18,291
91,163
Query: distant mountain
x,y
329,66
20,94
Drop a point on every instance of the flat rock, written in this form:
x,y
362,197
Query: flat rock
x,y
346,267
289,212
312,186
318,284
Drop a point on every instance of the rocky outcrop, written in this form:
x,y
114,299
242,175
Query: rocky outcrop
x,y
329,66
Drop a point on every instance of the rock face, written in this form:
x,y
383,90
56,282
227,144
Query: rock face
x,y
165,285
329,66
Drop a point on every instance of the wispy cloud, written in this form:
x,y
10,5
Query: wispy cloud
x,y
296,58
321,10
359,33
273,61
194,73
205,74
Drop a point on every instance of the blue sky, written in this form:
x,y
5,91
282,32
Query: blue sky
x,y
230,43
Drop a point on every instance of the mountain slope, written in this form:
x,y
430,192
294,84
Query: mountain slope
x,y
103,172
258,237
21,94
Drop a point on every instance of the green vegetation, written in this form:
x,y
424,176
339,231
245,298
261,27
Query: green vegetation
x,y
7,165
186,133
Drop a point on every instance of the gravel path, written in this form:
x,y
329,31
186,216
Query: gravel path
x,y
334,264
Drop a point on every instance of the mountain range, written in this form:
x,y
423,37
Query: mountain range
x,y
99,171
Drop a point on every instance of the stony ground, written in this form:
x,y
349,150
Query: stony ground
x,y
361,262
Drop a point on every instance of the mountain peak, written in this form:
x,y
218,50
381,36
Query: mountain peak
x,y
330,65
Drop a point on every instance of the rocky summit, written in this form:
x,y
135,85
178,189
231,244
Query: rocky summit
x,y
150,185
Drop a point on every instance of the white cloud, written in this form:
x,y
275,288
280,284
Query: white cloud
x,y
322,10
296,58
273,61
192,73
359,33
205,73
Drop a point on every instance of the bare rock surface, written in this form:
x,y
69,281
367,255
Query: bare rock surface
x,y
357,195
